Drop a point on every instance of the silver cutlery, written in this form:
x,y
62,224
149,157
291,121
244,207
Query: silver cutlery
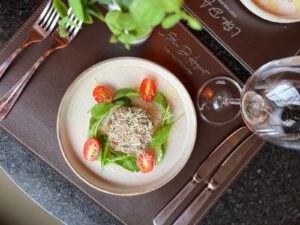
x,y
203,173
9,99
225,170
40,30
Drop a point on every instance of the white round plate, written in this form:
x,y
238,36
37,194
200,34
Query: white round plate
x,y
73,122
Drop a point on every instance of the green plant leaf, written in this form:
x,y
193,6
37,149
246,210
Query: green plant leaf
x,y
113,39
171,5
126,22
140,31
95,12
105,2
192,22
124,3
127,39
87,18
125,92
170,21
147,13
77,8
60,7
111,18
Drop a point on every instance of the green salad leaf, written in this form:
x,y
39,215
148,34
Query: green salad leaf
x,y
161,100
161,136
100,109
122,101
125,92
99,112
128,162
104,150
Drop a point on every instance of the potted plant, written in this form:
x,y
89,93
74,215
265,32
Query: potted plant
x,y
128,20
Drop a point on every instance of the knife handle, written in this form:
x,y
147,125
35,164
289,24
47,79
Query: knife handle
x,y
191,212
170,208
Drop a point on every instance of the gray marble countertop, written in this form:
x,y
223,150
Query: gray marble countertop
x,y
266,192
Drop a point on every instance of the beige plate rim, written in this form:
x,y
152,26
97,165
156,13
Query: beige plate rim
x,y
266,15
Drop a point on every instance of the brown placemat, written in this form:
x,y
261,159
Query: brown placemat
x,y
33,119
252,40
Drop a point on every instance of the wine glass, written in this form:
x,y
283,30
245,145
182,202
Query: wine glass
x,y
269,101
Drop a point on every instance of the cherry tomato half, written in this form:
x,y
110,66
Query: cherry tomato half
x,y
148,89
145,161
102,94
91,149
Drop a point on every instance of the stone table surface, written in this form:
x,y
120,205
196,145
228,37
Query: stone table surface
x,y
266,192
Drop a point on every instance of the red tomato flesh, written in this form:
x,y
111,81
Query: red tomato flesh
x,y
145,161
148,89
102,94
91,149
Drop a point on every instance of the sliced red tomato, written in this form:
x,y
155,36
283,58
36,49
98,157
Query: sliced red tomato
x,y
148,89
145,161
91,149
102,94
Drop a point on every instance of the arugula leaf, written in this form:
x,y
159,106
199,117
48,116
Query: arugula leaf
x,y
161,136
160,153
100,109
128,162
122,101
161,100
125,92
104,150
93,128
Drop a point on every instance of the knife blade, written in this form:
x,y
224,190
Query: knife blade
x,y
233,161
203,173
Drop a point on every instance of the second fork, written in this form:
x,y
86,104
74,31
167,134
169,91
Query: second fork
x,y
40,30
10,98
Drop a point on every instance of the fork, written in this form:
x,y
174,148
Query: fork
x,y
40,30
10,98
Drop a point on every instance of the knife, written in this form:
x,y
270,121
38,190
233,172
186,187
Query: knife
x,y
233,161
203,173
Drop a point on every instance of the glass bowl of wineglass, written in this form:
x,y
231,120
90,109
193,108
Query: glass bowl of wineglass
x,y
269,102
